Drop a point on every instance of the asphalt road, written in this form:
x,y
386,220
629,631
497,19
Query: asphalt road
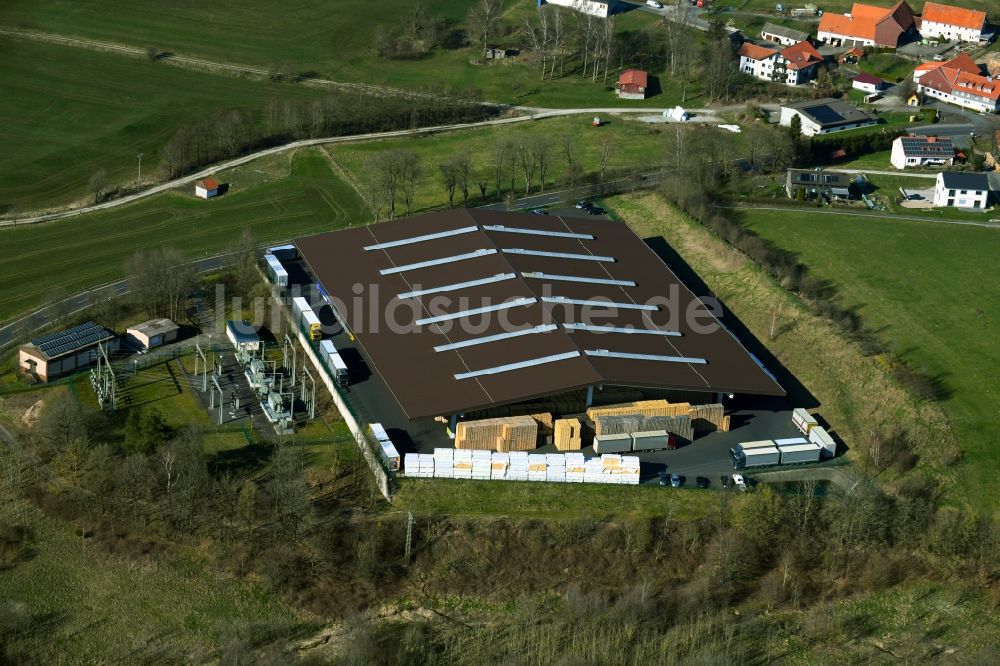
x,y
19,328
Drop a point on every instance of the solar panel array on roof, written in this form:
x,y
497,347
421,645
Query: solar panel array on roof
x,y
823,114
556,315
71,339
920,146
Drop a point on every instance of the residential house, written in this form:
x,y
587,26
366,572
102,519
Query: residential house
x,y
632,84
962,61
824,116
793,65
868,25
961,190
851,56
869,83
779,34
953,23
960,82
206,189
815,183
916,150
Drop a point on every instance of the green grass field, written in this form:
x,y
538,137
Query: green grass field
x,y
87,606
635,143
67,112
91,249
922,286
332,39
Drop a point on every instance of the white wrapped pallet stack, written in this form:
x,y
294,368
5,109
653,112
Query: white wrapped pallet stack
x,y
518,470
630,470
463,463
499,462
555,467
411,463
444,463
593,471
575,467
536,467
426,465
481,463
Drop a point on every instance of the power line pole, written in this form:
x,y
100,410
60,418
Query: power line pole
x,y
409,534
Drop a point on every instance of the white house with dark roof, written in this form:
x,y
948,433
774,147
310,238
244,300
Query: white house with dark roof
x,y
915,150
956,189
824,116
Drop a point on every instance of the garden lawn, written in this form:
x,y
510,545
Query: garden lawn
x,y
87,250
926,288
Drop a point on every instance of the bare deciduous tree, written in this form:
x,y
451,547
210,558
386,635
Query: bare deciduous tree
x,y
98,185
607,149
481,21
161,281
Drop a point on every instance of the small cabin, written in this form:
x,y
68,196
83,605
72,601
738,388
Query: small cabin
x,y
206,189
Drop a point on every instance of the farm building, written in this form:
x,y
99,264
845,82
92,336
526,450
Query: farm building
x,y
959,81
207,188
779,34
153,333
916,150
64,352
869,25
494,309
824,116
953,23
632,84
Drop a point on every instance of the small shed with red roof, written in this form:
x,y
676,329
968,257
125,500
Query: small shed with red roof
x,y
868,83
207,188
632,84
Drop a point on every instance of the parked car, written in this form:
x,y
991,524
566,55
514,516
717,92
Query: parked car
x,y
725,480
596,210
739,482
676,481
539,211
703,482
654,4
583,204
664,479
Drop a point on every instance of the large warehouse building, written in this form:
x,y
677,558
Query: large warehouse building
x,y
464,310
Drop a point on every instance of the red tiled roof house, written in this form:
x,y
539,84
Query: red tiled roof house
x,y
792,66
960,82
953,23
632,84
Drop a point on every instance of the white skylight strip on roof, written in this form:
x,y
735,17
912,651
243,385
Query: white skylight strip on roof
x,y
518,366
536,232
593,302
558,255
645,357
437,262
499,277
575,278
543,328
475,311
420,239
616,329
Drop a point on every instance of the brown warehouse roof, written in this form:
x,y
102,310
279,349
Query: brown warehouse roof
x,y
536,276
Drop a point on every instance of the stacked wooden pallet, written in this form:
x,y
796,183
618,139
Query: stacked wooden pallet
x,y
626,425
568,434
641,408
706,418
545,427
514,433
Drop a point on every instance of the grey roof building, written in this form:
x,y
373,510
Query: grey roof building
x,y
817,183
779,34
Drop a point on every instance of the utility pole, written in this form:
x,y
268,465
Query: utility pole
x,y
409,534
139,179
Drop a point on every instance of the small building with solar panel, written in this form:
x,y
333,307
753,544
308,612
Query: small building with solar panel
x,y
824,116
64,352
